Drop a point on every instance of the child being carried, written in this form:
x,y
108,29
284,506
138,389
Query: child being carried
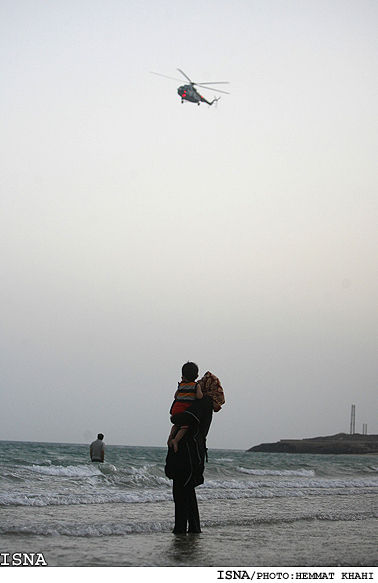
x,y
187,392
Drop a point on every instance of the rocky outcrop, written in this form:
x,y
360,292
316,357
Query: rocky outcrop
x,y
342,443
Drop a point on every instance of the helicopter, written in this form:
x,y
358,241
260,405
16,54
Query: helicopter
x,y
189,92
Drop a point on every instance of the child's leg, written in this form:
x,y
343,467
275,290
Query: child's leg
x,y
179,435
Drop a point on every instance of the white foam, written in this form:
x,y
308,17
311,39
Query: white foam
x,y
259,472
62,499
70,471
83,529
107,468
223,459
290,487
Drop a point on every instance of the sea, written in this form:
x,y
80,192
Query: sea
x,y
257,509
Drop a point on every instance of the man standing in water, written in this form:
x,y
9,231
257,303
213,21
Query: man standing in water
x,y
97,449
185,466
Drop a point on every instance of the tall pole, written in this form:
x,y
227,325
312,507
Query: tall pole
x,y
353,420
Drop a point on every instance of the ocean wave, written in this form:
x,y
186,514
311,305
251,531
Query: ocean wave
x,y
223,459
216,489
142,476
148,475
75,499
97,529
259,472
279,519
69,471
83,529
283,484
271,494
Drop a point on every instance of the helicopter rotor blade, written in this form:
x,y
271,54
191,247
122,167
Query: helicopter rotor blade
x,y
213,83
203,85
186,77
166,76
212,88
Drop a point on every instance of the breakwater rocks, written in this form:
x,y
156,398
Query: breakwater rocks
x,y
342,443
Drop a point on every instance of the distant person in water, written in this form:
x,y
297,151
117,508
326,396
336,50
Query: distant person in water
x,y
97,449
188,391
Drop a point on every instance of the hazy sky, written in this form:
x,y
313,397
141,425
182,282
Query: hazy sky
x,y
138,233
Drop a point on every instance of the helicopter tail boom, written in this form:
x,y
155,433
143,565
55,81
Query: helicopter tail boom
x,y
215,100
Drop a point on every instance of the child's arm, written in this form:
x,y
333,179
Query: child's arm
x,y
172,434
199,393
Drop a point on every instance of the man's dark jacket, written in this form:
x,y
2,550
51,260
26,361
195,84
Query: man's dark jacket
x,y
187,465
